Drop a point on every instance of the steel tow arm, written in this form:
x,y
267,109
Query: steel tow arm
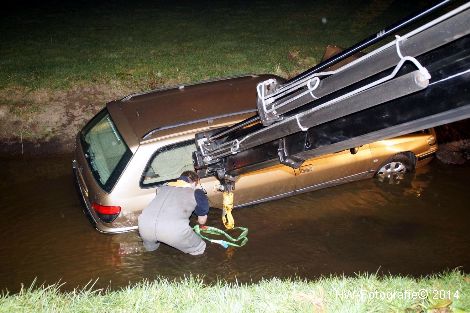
x,y
417,81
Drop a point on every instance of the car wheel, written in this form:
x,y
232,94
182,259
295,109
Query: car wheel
x,y
394,170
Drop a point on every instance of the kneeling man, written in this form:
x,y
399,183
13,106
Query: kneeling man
x,y
166,218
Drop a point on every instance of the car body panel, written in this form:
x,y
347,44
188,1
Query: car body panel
x,y
382,150
262,185
318,171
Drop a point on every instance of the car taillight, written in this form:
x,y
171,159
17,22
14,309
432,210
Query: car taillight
x,y
107,213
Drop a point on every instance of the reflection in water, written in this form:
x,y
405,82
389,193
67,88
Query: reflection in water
x,y
415,227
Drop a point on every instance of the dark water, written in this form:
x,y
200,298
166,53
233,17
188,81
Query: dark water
x,y
417,227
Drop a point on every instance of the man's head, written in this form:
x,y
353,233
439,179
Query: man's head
x,y
192,176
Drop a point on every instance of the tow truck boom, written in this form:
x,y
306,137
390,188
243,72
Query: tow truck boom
x,y
416,81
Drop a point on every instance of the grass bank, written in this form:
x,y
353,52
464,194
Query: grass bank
x,y
448,292
150,43
60,62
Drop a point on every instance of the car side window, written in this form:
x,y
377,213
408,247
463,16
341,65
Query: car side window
x,y
168,162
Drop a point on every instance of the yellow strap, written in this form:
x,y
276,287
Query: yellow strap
x,y
179,183
227,217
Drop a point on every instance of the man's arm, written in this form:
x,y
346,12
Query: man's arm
x,y
202,206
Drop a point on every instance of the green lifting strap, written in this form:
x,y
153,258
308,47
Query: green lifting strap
x,y
238,242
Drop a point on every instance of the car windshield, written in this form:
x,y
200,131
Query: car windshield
x,y
105,150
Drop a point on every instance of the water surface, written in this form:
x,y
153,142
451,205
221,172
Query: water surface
x,y
418,227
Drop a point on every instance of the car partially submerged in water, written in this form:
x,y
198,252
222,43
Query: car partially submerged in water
x,y
145,140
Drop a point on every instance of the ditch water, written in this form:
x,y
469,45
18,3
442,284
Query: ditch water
x,y
418,227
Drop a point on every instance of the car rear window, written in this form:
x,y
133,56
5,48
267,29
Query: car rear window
x,y
105,150
168,162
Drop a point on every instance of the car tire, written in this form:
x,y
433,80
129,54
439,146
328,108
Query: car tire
x,y
394,169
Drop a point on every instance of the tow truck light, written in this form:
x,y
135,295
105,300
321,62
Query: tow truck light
x,y
107,213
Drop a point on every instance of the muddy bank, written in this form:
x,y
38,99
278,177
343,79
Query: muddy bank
x,y
54,146
454,142
41,122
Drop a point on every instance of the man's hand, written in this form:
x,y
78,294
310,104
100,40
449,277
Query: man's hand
x,y
202,219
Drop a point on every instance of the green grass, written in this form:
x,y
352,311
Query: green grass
x,y
364,293
148,44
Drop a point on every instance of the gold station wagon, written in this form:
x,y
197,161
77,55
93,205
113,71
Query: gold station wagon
x,y
145,140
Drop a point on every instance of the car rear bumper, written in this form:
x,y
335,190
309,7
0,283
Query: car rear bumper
x,y
89,212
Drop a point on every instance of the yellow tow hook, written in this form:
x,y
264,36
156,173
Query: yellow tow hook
x,y
227,217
